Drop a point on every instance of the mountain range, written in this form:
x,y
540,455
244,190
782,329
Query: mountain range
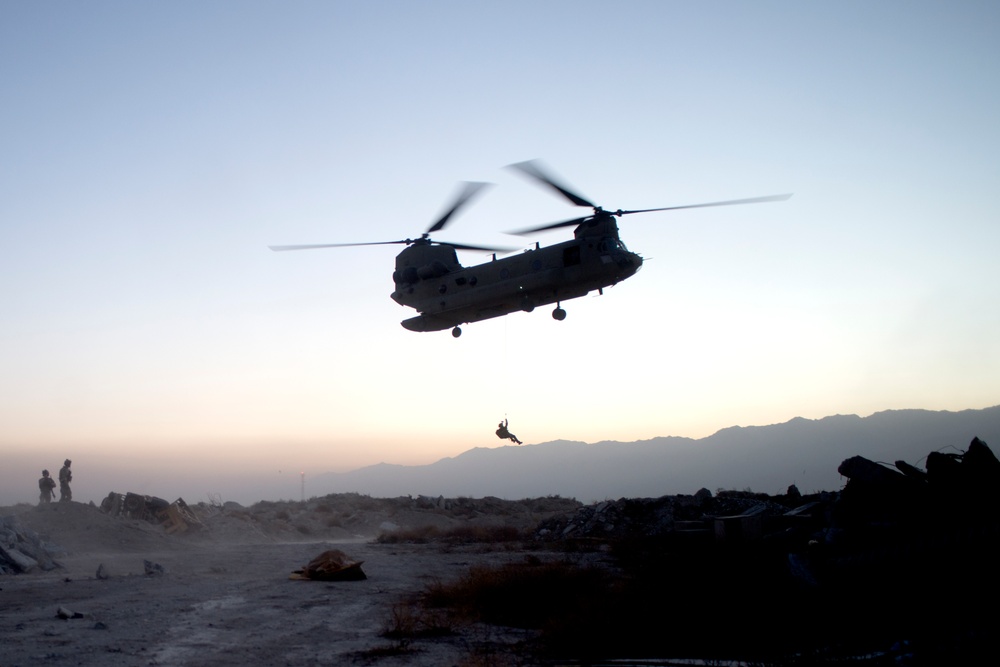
x,y
766,459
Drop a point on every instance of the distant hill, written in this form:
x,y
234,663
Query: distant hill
x,y
762,458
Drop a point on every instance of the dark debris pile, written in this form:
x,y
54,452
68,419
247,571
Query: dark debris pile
x,y
176,517
700,515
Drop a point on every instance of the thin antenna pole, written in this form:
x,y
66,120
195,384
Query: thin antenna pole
x,y
303,473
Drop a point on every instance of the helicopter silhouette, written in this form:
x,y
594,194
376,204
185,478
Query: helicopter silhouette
x,y
430,279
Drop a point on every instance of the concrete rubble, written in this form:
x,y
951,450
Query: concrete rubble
x,y
23,550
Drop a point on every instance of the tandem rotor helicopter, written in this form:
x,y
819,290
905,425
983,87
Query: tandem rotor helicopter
x,y
430,279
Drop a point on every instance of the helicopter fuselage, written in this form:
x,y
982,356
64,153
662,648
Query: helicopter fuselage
x,y
430,279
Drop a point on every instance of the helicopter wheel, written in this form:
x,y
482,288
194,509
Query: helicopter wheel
x,y
527,305
456,332
559,314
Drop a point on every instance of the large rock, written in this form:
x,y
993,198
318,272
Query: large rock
x,y
20,561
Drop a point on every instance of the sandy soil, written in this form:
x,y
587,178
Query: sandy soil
x,y
222,601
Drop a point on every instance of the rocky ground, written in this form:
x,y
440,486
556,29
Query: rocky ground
x,y
224,596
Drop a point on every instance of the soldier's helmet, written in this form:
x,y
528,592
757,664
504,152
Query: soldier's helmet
x,y
67,462
45,473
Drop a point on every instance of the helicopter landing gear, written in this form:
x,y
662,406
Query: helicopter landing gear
x,y
559,314
456,332
527,305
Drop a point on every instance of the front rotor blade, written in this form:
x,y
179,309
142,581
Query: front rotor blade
x,y
555,225
282,248
732,202
468,192
532,169
483,248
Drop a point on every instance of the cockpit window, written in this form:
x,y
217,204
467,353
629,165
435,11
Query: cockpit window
x,y
609,244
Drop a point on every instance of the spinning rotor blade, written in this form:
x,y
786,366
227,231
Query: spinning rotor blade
x,y
555,225
481,248
469,191
731,202
282,248
456,246
532,169
598,211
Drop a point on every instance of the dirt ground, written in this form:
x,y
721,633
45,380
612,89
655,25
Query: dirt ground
x,y
225,598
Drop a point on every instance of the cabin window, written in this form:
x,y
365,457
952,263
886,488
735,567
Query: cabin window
x,y
571,256
473,280
442,289
504,274
536,264
459,281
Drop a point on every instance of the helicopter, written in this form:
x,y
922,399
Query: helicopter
x,y
430,279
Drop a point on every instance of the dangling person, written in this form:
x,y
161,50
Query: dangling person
x,y
504,434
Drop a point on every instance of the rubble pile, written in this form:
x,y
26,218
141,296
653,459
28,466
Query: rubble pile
x,y
702,516
487,506
176,517
23,550
83,528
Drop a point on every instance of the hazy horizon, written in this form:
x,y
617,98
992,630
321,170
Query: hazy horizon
x,y
215,478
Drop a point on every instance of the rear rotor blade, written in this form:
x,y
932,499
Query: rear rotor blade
x,y
732,202
469,191
532,169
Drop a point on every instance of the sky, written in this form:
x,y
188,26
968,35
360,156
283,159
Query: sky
x,y
150,152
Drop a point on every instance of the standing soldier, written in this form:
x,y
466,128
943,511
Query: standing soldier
x,y
46,485
65,477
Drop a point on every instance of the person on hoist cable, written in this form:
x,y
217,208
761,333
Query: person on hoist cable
x,y
504,434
